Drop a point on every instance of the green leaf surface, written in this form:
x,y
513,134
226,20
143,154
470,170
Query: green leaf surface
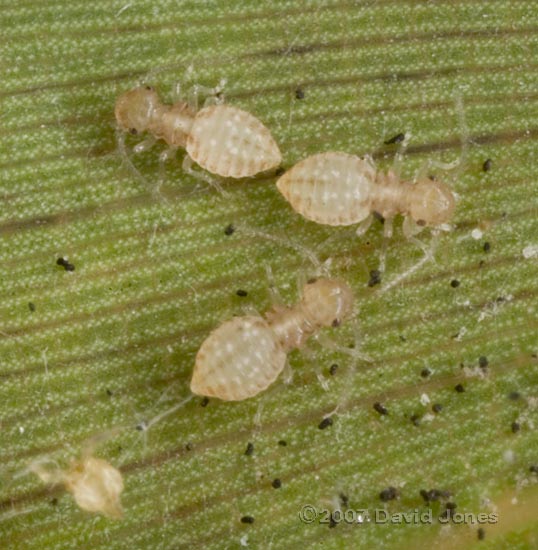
x,y
100,350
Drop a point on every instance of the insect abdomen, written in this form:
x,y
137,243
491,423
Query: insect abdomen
x,y
238,360
231,143
330,188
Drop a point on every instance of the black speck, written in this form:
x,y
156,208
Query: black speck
x,y
336,323
299,94
378,407
486,167
481,263
344,499
421,223
204,402
515,427
54,501
65,264
454,283
486,247
332,522
451,505
229,230
282,443
141,427
434,495
425,373
276,483
403,338
325,423
481,534
333,369
379,217
375,277
415,419
189,447
247,519
459,388
390,493
109,392
533,469
250,449
437,408
514,395
242,293
31,306
311,281
279,171
398,138
133,131
483,362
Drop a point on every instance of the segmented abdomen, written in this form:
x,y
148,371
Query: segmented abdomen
x,y
231,143
330,188
238,360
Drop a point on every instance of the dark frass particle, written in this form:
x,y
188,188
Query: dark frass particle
x,y
279,171
415,419
515,427
333,369
486,247
54,501
437,408
250,449
276,483
398,138
31,306
454,283
282,443
390,493
378,407
247,519
375,278
204,402
486,167
229,230
483,362
65,264
459,388
344,499
425,373
242,293
434,494
189,447
533,469
514,395
109,392
481,534
299,94
325,423
332,521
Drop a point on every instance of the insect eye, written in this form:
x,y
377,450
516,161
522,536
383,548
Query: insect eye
x,y
133,131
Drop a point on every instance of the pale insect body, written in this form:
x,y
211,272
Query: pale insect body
x,y
246,354
336,188
222,139
94,483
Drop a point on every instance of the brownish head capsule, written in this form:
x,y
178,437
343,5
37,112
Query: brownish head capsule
x,y
431,202
327,302
136,109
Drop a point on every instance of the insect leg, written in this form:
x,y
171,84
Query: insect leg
x,y
187,167
145,145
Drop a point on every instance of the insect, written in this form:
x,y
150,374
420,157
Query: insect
x,y
222,139
244,355
340,189
94,483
